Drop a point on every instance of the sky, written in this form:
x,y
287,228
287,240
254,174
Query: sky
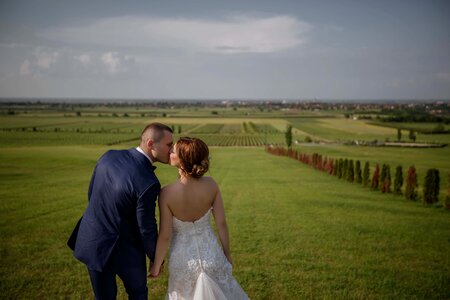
x,y
234,49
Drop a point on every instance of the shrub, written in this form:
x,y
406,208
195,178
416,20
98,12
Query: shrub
x,y
412,135
331,166
375,177
339,167
334,165
438,129
288,135
382,177
411,184
398,181
358,177
345,169
386,183
350,171
431,187
366,174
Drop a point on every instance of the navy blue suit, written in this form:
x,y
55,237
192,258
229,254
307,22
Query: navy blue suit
x,y
118,227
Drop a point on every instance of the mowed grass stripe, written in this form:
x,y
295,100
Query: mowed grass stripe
x,y
295,232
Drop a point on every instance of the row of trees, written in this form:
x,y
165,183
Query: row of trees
x,y
381,180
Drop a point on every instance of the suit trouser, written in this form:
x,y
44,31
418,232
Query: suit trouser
x,y
129,264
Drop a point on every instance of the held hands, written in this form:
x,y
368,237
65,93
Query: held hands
x,y
154,272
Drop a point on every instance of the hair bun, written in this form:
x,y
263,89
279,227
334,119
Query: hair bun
x,y
198,170
194,156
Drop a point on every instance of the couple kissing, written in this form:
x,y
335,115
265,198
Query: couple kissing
x,y
118,229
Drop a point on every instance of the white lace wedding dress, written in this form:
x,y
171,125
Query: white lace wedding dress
x,y
198,268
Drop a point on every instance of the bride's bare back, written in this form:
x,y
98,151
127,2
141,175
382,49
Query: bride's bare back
x,y
190,199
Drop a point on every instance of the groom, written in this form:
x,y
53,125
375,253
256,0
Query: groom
x,y
118,227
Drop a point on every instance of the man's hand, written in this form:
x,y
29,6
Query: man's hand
x,y
154,272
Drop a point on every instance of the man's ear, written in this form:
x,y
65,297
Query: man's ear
x,y
150,144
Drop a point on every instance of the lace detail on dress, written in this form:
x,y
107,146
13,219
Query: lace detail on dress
x,y
194,249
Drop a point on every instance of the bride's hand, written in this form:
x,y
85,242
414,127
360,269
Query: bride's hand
x,y
153,272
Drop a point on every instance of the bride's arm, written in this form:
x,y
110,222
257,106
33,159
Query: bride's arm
x,y
221,224
165,232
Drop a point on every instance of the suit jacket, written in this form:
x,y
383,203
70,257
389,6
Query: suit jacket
x,y
122,197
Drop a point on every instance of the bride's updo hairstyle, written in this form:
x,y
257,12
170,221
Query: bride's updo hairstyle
x,y
194,156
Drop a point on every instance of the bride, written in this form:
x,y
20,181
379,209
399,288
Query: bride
x,y
198,267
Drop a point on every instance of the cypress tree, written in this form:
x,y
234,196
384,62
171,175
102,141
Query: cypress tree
x,y
358,172
350,171
431,187
427,187
387,180
366,174
382,178
288,135
399,134
334,165
437,185
411,184
398,181
319,162
375,177
345,169
339,171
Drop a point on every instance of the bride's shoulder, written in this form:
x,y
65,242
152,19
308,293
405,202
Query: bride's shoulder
x,y
210,182
170,188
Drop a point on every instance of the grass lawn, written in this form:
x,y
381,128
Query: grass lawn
x,y
295,232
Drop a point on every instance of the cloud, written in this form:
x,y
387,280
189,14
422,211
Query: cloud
x,y
46,59
40,63
84,59
25,68
67,63
443,76
116,63
237,34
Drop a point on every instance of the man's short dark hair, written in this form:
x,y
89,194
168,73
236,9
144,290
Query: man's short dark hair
x,y
154,131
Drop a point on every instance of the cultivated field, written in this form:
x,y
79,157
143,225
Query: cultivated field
x,y
295,232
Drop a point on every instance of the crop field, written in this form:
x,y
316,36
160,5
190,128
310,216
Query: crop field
x,y
45,130
341,129
295,232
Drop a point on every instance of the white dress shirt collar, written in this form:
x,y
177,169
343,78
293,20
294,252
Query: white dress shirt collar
x,y
145,154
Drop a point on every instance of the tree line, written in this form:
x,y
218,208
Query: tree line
x,y
352,171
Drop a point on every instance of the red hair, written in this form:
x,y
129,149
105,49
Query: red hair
x,y
194,156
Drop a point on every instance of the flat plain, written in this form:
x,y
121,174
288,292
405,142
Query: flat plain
x,y
296,233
